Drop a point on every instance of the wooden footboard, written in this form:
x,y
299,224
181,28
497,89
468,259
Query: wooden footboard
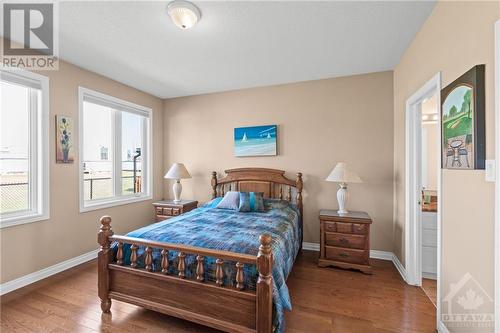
x,y
231,309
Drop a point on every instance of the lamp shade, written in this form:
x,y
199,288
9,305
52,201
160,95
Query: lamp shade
x,y
177,171
342,174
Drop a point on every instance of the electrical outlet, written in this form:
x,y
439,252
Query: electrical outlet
x,y
490,171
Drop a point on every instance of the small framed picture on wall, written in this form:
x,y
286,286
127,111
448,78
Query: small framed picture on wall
x,y
463,122
65,152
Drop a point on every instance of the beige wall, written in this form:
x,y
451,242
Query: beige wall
x,y
456,36
68,233
319,124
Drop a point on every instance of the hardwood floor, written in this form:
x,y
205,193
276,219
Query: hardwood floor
x,y
324,300
429,287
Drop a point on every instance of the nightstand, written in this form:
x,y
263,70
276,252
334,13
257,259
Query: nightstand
x,y
345,240
168,208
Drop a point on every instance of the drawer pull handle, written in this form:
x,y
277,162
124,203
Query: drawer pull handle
x,y
344,240
344,255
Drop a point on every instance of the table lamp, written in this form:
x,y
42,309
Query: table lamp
x,y
177,171
341,174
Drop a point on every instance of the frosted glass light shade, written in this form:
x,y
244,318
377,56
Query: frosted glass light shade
x,y
342,174
177,171
184,14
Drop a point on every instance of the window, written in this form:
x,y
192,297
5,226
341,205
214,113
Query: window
x,y
115,140
24,170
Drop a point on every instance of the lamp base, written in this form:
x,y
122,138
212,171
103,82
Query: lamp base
x,y
342,198
177,188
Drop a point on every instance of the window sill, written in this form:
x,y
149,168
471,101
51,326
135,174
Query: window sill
x,y
23,219
90,206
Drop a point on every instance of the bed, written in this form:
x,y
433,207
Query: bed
x,y
216,267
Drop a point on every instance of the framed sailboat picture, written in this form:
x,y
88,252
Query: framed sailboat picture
x,y
255,141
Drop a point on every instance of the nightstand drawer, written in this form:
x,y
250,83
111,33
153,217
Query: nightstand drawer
x,y
330,226
167,209
360,228
345,240
344,227
346,255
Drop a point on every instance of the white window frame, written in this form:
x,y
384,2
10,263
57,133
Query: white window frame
x,y
147,151
39,150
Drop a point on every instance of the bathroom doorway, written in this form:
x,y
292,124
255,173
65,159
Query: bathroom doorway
x,y
429,181
423,191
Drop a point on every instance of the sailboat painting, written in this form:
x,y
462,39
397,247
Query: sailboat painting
x,y
255,141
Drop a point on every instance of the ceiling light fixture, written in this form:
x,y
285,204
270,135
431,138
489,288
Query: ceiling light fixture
x,y
184,14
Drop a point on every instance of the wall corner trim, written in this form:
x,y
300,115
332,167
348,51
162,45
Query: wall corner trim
x,y
374,254
25,280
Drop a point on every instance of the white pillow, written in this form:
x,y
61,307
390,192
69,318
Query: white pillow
x,y
230,201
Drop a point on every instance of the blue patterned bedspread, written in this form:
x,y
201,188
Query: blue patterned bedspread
x,y
229,230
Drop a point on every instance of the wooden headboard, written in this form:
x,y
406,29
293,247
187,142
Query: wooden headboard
x,y
271,182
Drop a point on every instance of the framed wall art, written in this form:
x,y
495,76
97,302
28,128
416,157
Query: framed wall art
x,y
255,141
64,140
463,121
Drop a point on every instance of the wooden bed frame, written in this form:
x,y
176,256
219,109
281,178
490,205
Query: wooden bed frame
x,y
230,309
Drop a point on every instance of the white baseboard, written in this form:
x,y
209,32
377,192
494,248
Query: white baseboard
x,y
375,254
383,255
310,246
432,276
23,281
442,327
399,266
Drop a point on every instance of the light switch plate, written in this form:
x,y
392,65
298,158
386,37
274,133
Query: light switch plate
x,y
490,171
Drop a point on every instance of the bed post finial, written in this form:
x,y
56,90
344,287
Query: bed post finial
x,y
300,185
105,232
264,285
103,259
299,190
214,184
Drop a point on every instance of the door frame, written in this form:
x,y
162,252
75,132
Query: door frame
x,y
497,175
413,213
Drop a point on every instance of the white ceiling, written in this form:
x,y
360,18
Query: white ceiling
x,y
236,44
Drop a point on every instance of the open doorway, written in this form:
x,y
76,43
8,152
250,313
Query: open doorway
x,y
429,175
423,191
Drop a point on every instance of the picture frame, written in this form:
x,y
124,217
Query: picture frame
x,y
65,153
463,144
255,141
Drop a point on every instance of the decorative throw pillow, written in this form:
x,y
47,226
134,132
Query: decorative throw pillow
x,y
230,201
258,201
244,202
251,202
